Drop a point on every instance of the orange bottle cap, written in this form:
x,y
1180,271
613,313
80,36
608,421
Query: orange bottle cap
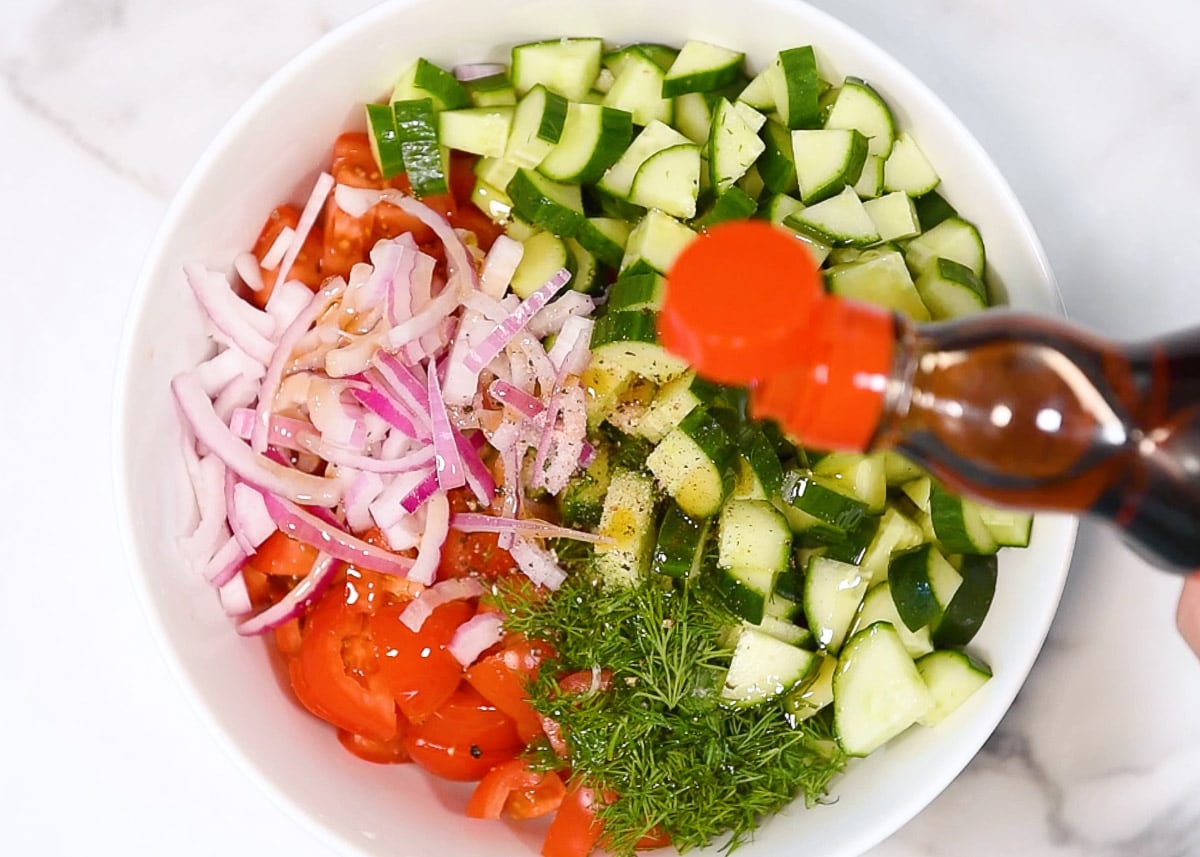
x,y
745,304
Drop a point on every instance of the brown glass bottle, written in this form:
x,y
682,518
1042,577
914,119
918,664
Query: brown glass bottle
x,y
1034,413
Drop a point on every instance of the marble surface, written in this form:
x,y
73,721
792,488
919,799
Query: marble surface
x,y
1092,112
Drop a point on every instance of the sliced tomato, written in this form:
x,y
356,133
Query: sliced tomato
x,y
575,830
305,267
502,678
334,675
464,739
656,837
513,788
392,752
354,165
462,175
347,241
283,555
415,666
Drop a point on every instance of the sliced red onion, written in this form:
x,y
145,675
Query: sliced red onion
x,y
476,636
403,380
507,329
208,486
458,259
449,462
499,265
415,613
380,404
422,493
425,321
363,490
479,478
476,70
461,383
253,468
303,594
287,301
247,267
215,374
355,201
569,440
515,399
429,553
388,508
571,351
419,460
506,435
587,455
321,301
554,315
355,357
474,522
248,517
235,597
324,536
540,566
308,217
535,354
225,563
231,315
278,249
405,534
237,394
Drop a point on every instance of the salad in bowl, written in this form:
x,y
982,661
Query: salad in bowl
x,y
500,555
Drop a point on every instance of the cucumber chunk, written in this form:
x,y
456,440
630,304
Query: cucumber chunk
x,y
627,519
752,534
833,591
952,679
763,668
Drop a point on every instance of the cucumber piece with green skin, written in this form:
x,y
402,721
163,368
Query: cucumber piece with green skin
x,y
424,79
618,179
495,90
603,383
752,185
951,290
953,238
783,629
680,543
656,241
782,608
637,89
777,164
630,339
745,591
605,238
907,169
693,463
545,255
628,520
582,502
733,204
923,584
583,268
497,172
877,690
478,130
827,160
840,221
669,180
860,476
752,534
932,209
880,278
566,66
639,291
733,144
385,143
424,160
897,533
813,694
702,67
878,605
833,591
759,453
536,127
593,138
553,206
759,92
780,206
661,55
675,399
952,679
1008,528
763,668
899,469
870,180
693,117
918,490
492,201
859,107
796,90
958,524
823,502
894,216
968,608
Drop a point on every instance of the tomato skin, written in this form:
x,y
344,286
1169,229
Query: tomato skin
x,y
305,267
478,554
516,790
391,752
333,679
416,667
283,555
575,829
502,679
464,739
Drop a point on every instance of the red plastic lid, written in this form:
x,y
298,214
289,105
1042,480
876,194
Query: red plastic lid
x,y
745,305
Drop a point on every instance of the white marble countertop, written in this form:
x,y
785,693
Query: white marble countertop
x,y
1091,110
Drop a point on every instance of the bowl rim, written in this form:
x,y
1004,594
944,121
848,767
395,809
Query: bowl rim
x,y
198,176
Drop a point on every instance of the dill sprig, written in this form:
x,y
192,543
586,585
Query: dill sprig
x,y
659,737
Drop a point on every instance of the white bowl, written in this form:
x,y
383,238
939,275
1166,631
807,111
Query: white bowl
x,y
270,153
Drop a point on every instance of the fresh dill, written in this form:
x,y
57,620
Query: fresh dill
x,y
659,737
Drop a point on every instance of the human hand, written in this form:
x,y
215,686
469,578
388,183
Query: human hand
x,y
1187,616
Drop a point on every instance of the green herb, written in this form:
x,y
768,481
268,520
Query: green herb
x,y
659,737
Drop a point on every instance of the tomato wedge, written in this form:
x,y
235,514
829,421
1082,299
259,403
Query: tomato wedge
x,y
391,752
416,668
502,679
575,830
464,739
513,788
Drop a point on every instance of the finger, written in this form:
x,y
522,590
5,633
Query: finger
x,y
1187,616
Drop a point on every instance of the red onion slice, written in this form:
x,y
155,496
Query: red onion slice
x,y
415,613
303,594
235,597
507,329
499,266
324,536
378,403
476,70
539,565
515,399
387,509
473,522
308,217
418,460
449,463
420,494
479,478
255,469
225,563
476,636
229,314
429,553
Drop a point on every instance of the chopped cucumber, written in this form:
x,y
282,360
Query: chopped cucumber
x,y
832,592
628,520
763,668
566,66
952,679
